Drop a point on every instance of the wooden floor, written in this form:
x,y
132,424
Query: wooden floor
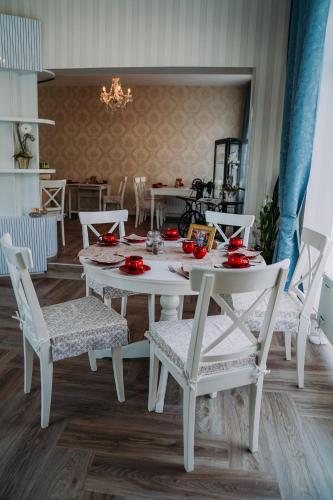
x,y
97,449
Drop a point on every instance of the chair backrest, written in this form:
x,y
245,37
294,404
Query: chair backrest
x,y
242,221
267,280
121,190
139,184
53,193
314,252
19,260
114,217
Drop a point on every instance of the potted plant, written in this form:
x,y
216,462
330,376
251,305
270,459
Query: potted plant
x,y
23,155
268,226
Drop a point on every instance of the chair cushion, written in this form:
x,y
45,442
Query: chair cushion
x,y
108,291
173,338
287,318
79,325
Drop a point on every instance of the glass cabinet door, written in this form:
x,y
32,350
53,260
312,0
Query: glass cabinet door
x,y
220,152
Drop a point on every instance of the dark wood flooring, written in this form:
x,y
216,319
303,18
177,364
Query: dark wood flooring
x,y
98,449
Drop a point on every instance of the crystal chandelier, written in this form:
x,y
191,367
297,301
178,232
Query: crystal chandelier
x,y
116,98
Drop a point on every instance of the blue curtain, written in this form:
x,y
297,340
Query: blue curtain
x,y
305,53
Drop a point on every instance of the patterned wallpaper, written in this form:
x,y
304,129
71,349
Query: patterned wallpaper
x,y
167,132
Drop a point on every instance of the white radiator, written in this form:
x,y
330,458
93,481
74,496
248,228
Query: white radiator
x,y
325,310
39,234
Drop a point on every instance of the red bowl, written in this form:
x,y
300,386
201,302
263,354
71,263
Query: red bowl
x,y
108,238
238,259
199,252
188,246
171,233
236,242
134,262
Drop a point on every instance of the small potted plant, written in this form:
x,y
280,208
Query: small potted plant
x,y
268,226
23,155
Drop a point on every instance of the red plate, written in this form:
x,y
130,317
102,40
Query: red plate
x,y
110,244
127,270
170,238
131,240
230,248
232,266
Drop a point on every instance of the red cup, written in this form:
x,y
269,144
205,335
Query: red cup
x,y
199,252
236,242
134,263
237,259
188,246
171,233
108,238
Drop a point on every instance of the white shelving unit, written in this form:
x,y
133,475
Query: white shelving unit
x,y
20,119
27,171
19,188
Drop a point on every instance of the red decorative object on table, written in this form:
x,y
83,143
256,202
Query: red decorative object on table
x,y
237,260
199,252
171,234
236,242
134,263
108,239
188,246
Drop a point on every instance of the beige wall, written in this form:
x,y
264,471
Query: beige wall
x,y
183,33
167,132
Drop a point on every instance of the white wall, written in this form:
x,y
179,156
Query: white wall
x,y
171,33
319,200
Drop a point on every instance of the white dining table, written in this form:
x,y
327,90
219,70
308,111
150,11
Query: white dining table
x,y
166,191
158,281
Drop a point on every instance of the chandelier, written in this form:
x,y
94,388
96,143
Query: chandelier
x,y
115,98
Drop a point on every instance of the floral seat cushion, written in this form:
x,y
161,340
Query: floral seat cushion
x,y
108,291
173,338
80,325
287,319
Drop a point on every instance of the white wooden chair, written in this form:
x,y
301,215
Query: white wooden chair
x,y
117,200
62,330
52,198
142,203
117,218
297,304
242,221
215,353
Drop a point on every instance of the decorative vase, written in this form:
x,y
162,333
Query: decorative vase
x,y
23,162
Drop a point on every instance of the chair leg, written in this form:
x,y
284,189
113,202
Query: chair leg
x,y
136,217
189,399
287,343
255,406
157,217
117,363
153,379
46,375
62,222
300,351
161,390
107,300
92,361
28,364
123,309
180,307
161,216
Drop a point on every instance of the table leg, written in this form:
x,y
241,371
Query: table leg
x,y
69,203
152,209
170,306
99,199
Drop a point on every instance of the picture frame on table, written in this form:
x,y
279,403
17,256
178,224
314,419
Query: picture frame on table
x,y
203,235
